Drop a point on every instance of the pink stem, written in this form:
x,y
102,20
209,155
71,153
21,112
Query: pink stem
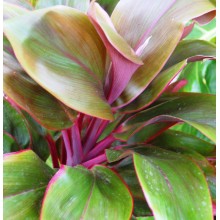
x,y
100,159
91,137
53,151
63,153
69,151
76,144
100,147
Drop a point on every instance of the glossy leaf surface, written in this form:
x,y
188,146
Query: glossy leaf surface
x,y
54,56
9,143
78,190
162,22
30,96
163,175
25,180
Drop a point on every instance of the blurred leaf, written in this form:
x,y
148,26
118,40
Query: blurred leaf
x,y
99,187
45,55
15,124
205,32
108,5
39,143
9,143
25,181
201,77
81,5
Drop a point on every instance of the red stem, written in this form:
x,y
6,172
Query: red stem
x,y
100,159
53,151
100,147
69,152
76,144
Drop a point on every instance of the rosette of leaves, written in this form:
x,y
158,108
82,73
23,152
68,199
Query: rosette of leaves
x,y
92,95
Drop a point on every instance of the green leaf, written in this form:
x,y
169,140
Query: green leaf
x,y
9,143
14,124
177,107
108,5
160,22
205,32
25,180
48,44
26,93
38,136
165,177
85,194
81,5
177,139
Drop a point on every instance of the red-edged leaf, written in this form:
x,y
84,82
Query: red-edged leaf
x,y
124,59
48,44
161,21
86,194
31,97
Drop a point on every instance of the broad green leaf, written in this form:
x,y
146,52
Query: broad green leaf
x,y
201,77
14,124
160,22
25,181
154,90
177,139
86,194
48,44
165,177
9,143
192,50
178,108
81,5
45,108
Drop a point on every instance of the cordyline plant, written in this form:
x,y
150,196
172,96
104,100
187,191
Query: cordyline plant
x,y
98,92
